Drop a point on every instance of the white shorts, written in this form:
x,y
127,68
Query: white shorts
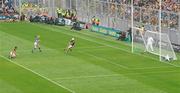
x,y
70,46
36,45
12,54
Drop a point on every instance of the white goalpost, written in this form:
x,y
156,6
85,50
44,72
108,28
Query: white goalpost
x,y
154,42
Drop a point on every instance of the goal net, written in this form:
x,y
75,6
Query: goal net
x,y
153,42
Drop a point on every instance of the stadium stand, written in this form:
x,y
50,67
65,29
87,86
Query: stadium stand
x,y
7,11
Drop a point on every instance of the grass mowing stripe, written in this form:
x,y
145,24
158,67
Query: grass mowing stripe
x,y
167,80
88,54
28,50
39,75
80,77
122,66
54,29
114,75
106,60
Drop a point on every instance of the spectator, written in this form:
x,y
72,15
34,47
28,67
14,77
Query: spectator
x,y
97,22
122,36
130,33
93,20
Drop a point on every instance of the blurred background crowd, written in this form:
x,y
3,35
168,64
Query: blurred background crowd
x,y
146,11
167,5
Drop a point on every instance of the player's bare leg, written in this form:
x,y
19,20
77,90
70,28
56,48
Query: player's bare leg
x,y
70,49
40,49
12,56
33,50
66,50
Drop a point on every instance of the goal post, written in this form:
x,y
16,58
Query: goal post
x,y
153,42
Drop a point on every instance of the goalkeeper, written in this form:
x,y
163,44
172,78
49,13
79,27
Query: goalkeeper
x,y
149,45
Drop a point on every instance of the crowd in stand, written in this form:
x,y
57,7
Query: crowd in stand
x,y
167,5
147,11
8,10
7,7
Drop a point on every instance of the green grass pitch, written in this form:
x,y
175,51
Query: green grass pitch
x,y
98,63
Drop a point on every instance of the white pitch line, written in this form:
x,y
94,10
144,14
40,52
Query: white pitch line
x,y
113,75
39,75
158,72
152,67
125,67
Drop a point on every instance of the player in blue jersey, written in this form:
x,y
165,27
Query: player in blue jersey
x,y
36,44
